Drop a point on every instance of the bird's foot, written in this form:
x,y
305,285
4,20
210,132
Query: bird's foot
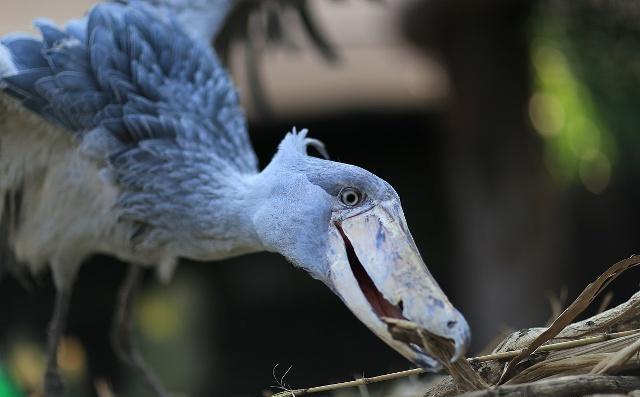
x,y
53,386
128,353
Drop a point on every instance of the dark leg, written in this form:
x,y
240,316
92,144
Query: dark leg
x,y
122,333
53,386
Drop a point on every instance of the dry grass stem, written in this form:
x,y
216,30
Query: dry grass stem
x,y
605,302
570,313
556,303
352,383
579,360
556,346
611,365
464,376
485,358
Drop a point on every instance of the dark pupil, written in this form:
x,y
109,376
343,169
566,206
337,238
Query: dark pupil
x,y
350,198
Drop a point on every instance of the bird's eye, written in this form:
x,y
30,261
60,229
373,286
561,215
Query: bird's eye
x,y
350,196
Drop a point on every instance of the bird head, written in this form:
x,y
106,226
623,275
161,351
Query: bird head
x,y
345,226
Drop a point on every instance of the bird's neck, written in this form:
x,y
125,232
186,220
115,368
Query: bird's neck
x,y
229,216
269,210
229,222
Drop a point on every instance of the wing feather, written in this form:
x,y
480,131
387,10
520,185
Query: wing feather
x,y
151,104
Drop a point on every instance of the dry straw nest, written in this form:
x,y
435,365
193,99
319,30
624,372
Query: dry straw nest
x,y
596,356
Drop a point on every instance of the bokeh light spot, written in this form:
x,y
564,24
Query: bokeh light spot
x,y
595,172
26,364
159,317
72,358
547,114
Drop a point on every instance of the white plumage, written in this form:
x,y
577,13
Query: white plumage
x,y
67,212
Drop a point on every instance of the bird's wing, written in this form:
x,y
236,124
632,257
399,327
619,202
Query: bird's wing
x,y
153,106
201,19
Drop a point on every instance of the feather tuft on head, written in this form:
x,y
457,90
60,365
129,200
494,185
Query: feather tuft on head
x,y
297,142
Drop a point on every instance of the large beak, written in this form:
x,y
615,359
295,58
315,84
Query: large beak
x,y
377,271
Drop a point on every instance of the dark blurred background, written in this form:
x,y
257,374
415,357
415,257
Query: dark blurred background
x,y
509,129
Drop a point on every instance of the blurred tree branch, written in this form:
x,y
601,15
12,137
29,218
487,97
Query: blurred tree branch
x,y
260,24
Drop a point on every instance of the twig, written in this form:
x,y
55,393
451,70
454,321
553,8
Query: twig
x,y
564,386
490,357
352,383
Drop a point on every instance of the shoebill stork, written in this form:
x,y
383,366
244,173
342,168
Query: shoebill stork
x,y
122,134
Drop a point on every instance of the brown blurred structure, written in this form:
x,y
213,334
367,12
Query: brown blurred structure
x,y
508,231
376,68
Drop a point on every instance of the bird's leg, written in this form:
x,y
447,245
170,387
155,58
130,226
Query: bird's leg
x,y
53,386
122,332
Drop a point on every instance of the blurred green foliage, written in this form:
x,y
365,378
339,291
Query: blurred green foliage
x,y
579,144
586,71
7,387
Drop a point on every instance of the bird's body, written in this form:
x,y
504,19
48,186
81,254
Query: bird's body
x,y
122,134
59,210
55,208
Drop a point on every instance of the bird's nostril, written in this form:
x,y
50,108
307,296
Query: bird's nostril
x,y
451,323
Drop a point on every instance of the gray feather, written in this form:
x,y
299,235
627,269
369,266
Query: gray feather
x,y
148,101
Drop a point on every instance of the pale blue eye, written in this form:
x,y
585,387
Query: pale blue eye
x,y
350,196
